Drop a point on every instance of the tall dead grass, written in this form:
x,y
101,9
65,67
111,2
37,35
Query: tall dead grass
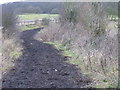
x,y
11,47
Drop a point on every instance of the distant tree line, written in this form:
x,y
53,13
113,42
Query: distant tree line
x,y
54,8
111,7
38,8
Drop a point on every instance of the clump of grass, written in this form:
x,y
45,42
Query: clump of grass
x,y
14,54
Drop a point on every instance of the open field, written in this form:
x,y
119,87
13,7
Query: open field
x,y
36,16
39,16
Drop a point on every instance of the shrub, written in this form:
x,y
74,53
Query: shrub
x,y
68,13
8,21
93,17
45,21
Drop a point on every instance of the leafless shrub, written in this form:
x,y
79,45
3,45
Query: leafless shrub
x,y
8,21
49,33
69,13
101,59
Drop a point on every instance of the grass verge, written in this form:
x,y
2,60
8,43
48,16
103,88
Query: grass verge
x,y
30,27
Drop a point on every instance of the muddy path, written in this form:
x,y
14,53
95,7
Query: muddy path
x,y
41,66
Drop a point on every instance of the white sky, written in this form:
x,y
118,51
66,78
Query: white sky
x,y
6,1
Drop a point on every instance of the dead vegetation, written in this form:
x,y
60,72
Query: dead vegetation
x,y
89,37
11,48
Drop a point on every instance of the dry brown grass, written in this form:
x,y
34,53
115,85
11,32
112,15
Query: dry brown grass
x,y
11,52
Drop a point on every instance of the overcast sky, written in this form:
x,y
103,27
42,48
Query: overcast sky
x,y
6,1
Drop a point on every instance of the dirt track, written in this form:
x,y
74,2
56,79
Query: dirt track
x,y
41,66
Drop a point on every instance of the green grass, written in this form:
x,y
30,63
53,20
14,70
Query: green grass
x,y
35,16
29,27
64,49
113,17
15,54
